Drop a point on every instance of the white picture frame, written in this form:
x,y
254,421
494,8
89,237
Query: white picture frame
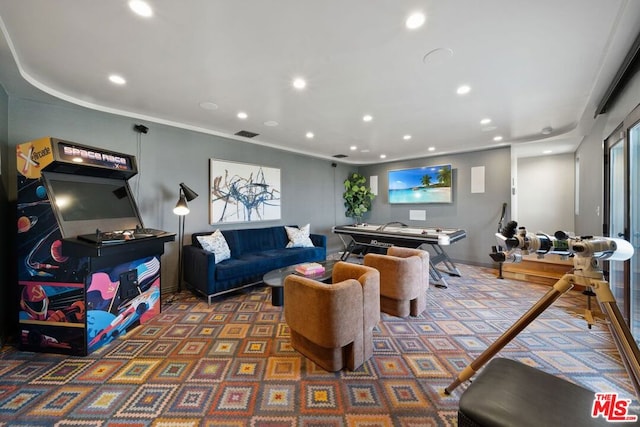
x,y
243,192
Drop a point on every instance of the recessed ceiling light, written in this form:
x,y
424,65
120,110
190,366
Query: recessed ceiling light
x,y
497,138
206,105
485,121
383,156
141,8
415,20
116,79
406,137
431,148
547,130
242,115
353,148
463,90
547,152
271,123
299,83
310,135
367,118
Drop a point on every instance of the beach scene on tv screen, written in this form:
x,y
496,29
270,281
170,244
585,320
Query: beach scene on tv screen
x,y
428,184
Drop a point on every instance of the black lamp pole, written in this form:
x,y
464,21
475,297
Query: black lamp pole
x,y
182,209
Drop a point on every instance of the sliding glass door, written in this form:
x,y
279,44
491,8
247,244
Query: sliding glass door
x,y
622,215
616,146
634,229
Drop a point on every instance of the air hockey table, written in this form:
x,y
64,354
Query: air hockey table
x,y
398,234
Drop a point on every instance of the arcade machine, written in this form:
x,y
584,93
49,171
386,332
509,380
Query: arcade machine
x,y
88,269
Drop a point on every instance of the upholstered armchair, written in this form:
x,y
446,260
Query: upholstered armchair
x,y
404,280
332,324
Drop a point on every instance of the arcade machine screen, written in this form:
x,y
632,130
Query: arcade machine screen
x,y
85,204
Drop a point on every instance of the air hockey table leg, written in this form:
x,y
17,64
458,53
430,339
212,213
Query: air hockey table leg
x,y
436,277
437,256
347,251
443,257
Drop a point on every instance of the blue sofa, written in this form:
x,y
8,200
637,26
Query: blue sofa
x,y
254,252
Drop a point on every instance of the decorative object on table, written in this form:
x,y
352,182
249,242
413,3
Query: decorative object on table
x,y
182,210
242,192
275,279
357,196
309,268
427,184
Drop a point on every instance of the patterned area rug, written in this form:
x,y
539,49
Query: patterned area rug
x,y
231,364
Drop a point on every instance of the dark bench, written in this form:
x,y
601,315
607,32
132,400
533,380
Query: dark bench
x,y
509,393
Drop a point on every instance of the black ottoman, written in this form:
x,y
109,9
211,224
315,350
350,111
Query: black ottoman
x,y
509,393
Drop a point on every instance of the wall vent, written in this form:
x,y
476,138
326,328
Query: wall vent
x,y
340,156
246,134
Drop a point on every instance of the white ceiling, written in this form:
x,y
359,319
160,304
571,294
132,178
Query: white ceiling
x,y
530,65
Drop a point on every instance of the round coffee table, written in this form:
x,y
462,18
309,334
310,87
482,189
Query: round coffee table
x,y
275,279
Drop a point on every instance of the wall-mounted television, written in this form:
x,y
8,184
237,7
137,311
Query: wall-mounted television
x,y
427,184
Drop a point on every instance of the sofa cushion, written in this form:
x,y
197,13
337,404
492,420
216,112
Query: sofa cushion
x,y
217,244
249,240
298,237
259,263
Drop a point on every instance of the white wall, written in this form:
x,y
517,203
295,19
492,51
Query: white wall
x,y
546,193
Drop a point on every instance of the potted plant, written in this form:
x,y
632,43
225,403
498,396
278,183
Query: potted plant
x,y
357,196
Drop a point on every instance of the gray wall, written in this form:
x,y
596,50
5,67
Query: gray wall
x,y
589,219
477,213
6,285
168,156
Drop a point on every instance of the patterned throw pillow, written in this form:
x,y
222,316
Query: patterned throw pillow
x,y
298,238
217,244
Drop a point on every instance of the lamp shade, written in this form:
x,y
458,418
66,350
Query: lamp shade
x,y
181,207
189,194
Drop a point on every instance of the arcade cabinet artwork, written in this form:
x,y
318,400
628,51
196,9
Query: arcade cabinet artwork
x,y
88,270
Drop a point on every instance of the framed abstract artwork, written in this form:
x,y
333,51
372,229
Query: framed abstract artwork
x,y
242,192
427,184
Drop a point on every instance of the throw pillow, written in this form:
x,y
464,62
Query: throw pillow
x,y
298,237
217,244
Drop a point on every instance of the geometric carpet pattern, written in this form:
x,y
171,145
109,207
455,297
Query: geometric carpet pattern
x,y
231,364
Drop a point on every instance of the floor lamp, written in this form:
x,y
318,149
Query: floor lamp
x,y
182,209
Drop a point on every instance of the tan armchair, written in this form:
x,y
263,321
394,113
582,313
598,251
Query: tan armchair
x,y
404,280
332,324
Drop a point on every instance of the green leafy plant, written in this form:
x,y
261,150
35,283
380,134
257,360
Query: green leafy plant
x,y
357,196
